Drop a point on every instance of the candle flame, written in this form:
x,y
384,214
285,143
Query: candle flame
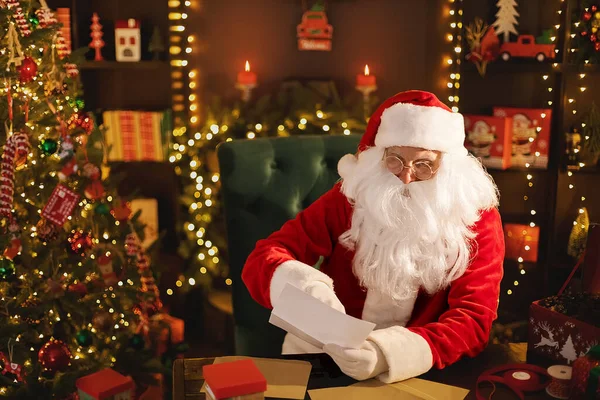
x,y
367,70
247,69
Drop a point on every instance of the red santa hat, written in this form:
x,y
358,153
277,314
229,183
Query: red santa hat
x,y
413,118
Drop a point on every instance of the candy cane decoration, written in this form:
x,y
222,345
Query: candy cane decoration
x,y
19,17
45,15
16,148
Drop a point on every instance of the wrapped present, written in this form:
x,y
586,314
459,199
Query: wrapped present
x,y
489,139
530,135
521,242
563,328
106,384
239,379
137,135
585,381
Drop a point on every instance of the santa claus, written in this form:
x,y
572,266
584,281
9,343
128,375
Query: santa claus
x,y
412,241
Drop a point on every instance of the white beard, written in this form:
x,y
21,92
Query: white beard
x,y
419,235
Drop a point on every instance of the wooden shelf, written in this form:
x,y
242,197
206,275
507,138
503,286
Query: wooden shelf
x,y
115,65
526,66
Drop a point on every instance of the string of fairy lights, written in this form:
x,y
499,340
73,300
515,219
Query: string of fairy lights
x,y
453,60
548,81
581,88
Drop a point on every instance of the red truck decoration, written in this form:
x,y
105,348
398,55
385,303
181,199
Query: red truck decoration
x,y
314,32
526,47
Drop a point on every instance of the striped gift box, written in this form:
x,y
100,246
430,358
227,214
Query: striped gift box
x,y
137,135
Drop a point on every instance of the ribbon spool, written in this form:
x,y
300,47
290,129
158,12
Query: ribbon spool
x,y
519,378
559,387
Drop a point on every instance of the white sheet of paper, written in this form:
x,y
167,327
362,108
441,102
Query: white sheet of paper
x,y
317,323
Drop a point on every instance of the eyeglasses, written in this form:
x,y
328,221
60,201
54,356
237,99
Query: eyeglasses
x,y
422,170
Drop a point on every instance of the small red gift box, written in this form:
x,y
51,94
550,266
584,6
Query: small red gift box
x,y
237,378
585,382
521,242
104,385
489,138
530,135
557,338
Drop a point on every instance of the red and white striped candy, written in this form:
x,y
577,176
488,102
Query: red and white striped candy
x,y
16,147
19,17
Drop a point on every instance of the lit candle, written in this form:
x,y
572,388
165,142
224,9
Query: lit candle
x,y
246,77
367,79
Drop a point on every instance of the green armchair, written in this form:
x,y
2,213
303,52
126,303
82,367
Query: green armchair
x,y
266,182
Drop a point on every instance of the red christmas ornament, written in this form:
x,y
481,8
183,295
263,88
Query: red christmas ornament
x,y
593,38
55,356
82,121
80,242
78,288
584,33
121,211
91,171
94,190
594,8
587,16
597,46
27,70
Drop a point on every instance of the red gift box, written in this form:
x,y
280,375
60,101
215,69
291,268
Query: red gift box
x,y
231,379
489,138
558,338
530,135
105,384
521,242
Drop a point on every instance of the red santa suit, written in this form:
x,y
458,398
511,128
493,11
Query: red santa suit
x,y
429,330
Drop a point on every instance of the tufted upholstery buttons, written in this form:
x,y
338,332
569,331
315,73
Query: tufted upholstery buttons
x,y
265,183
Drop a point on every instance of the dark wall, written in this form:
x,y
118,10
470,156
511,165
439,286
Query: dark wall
x,y
398,39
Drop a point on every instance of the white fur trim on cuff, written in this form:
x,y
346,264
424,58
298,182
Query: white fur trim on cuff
x,y
431,128
407,353
297,274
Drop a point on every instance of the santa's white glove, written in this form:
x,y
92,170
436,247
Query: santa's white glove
x,y
363,363
292,344
323,292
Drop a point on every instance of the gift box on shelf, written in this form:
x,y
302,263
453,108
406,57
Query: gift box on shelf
x,y
530,135
489,138
585,381
137,135
563,328
521,242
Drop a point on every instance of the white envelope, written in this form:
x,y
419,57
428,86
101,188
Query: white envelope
x,y
317,323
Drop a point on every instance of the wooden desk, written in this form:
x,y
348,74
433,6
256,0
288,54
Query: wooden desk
x,y
188,379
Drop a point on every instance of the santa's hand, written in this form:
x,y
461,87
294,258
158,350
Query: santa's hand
x,y
292,344
323,292
363,363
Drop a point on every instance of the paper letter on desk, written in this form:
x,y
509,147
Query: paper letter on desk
x,y
317,323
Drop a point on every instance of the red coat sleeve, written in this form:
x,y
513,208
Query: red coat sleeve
x,y
295,248
463,330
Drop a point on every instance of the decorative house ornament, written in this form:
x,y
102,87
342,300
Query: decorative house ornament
x,y
314,32
128,40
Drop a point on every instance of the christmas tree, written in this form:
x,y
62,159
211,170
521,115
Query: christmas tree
x,y
97,43
295,109
76,288
506,19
